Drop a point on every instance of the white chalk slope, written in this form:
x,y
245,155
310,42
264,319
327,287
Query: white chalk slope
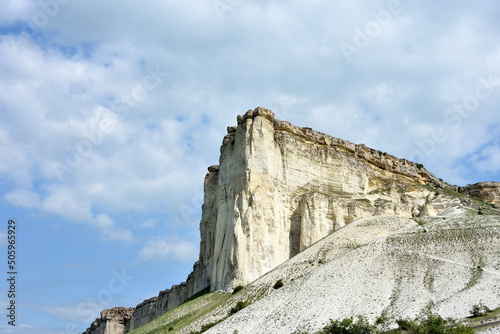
x,y
446,265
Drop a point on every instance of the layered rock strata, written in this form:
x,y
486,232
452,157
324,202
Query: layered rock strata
x,y
279,188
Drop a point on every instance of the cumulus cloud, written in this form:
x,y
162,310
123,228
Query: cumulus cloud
x,y
24,198
488,159
109,230
168,249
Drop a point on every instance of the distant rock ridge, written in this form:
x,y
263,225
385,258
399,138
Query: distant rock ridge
x,y
112,321
488,192
279,188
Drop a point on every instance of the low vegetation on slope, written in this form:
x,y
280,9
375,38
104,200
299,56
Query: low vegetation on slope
x,y
482,319
431,324
445,265
185,314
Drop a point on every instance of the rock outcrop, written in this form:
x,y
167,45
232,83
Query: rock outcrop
x,y
280,188
113,321
488,192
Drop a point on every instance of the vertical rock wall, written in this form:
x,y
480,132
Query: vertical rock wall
x,y
281,188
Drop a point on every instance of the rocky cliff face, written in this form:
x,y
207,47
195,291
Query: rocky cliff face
x,y
486,191
279,188
166,300
113,321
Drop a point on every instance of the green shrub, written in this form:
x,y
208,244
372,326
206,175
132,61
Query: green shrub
x,y
405,324
383,320
349,326
238,307
478,310
238,289
278,284
205,328
433,324
420,222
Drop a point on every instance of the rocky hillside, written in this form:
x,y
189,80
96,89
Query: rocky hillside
x,y
444,266
391,266
278,189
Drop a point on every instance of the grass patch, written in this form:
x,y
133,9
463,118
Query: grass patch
x,y
238,289
420,222
205,328
198,294
184,314
238,307
453,193
428,187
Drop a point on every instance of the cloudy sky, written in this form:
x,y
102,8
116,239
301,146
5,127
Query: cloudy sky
x,y
111,111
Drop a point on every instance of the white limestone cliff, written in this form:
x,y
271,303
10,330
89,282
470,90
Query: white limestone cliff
x,y
279,188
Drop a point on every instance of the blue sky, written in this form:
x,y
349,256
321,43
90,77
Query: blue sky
x,y
110,113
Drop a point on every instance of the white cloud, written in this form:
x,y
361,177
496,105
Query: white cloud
x,y
489,159
66,202
12,9
62,202
169,249
24,198
109,230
